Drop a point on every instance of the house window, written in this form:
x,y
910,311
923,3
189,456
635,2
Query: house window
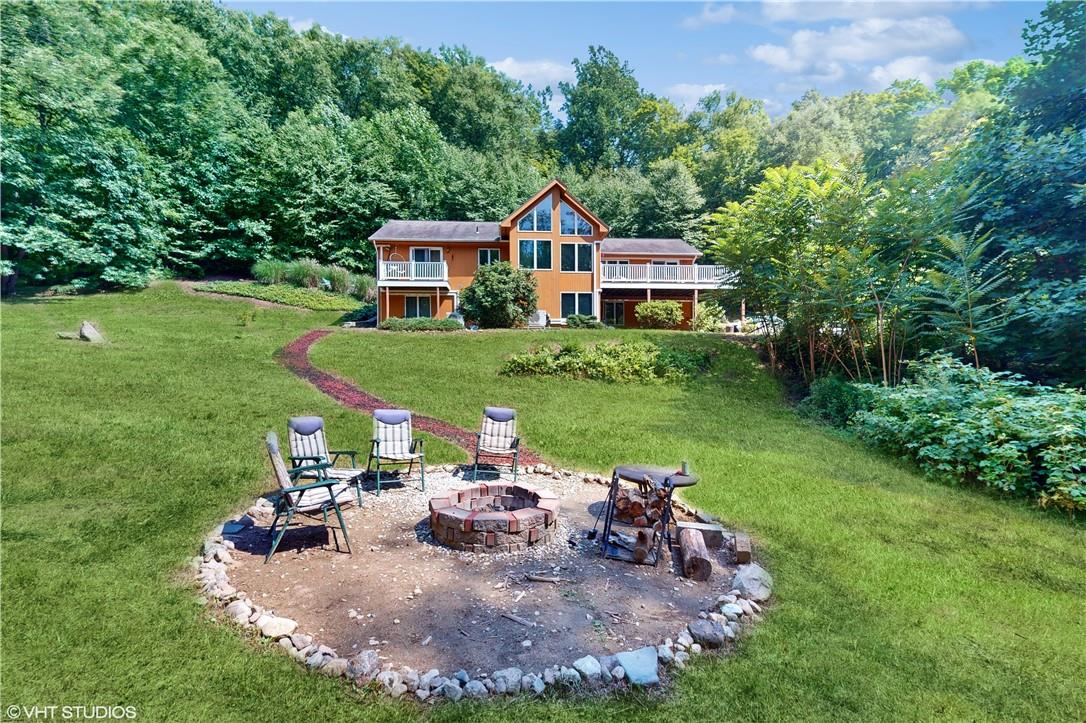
x,y
576,257
423,255
539,218
576,304
614,313
489,256
571,223
535,254
416,306
665,263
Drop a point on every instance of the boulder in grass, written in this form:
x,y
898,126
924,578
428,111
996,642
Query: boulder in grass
x,y
88,332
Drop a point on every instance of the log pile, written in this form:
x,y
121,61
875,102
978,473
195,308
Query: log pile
x,y
639,510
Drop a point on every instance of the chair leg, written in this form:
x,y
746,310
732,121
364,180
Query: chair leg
x,y
422,471
342,525
475,467
378,478
279,537
516,465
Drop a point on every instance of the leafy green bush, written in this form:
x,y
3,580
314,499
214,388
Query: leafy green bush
x,y
625,361
709,317
659,314
974,425
499,296
314,299
270,271
305,272
420,324
834,401
584,321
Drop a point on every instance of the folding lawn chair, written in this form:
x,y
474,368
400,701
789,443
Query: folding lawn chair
x,y
309,445
497,438
305,499
393,444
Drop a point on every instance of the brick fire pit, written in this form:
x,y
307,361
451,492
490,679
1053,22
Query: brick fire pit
x,y
496,517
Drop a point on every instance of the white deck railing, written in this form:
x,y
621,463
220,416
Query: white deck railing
x,y
664,274
413,271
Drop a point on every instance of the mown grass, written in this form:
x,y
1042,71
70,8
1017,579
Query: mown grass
x,y
897,598
300,296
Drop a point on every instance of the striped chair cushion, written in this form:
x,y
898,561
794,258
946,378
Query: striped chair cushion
x,y
499,431
392,428
306,438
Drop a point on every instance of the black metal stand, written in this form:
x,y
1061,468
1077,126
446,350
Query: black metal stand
x,y
648,480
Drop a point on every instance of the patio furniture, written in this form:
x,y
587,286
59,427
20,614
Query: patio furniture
x,y
497,438
306,499
308,444
650,481
393,444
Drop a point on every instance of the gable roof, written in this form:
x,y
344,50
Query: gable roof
x,y
455,231
507,222
648,247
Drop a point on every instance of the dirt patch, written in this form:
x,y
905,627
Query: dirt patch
x,y
424,605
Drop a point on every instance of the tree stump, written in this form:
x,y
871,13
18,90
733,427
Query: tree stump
x,y
696,562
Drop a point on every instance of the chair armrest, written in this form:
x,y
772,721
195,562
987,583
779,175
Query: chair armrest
x,y
416,444
303,488
297,471
515,444
337,453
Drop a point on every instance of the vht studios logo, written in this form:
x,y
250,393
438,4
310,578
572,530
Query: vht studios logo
x,y
70,712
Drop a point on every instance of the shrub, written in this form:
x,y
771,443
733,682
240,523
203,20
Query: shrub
x,y
709,317
834,401
499,296
420,324
659,314
305,272
339,279
314,299
626,361
965,424
270,271
584,321
364,287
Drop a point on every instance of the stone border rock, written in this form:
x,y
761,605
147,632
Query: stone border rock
x,y
716,629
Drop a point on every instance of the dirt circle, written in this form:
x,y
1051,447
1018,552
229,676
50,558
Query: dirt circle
x,y
421,604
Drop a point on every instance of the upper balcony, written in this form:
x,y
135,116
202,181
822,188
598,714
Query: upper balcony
x,y
412,273
664,276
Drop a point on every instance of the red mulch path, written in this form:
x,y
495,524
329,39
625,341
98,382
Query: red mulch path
x,y
295,357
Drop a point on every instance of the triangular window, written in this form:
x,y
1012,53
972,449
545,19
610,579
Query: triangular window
x,y
572,224
539,218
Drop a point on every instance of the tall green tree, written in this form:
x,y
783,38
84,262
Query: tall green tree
x,y
600,108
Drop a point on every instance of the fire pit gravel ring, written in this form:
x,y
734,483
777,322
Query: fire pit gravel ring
x,y
494,517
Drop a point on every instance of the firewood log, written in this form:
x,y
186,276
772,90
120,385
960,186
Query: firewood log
x,y
637,507
641,547
696,562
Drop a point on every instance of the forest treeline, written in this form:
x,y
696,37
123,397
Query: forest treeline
x,y
154,138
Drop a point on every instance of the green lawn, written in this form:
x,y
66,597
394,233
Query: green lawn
x,y
896,598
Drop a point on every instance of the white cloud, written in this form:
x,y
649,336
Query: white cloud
x,y
536,73
922,68
813,11
721,59
539,74
687,95
711,14
827,55
300,26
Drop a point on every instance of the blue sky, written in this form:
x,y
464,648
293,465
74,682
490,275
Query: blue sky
x,y
773,50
